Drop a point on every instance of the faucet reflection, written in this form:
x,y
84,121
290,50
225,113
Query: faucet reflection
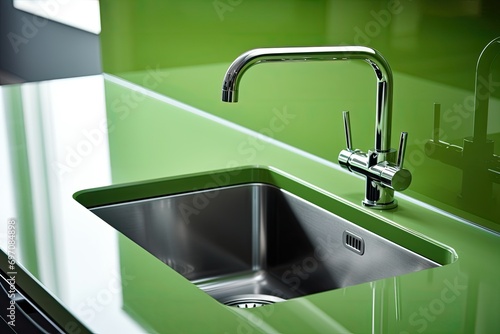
x,y
382,174
480,166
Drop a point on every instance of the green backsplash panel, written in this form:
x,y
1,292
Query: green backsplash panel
x,y
438,40
137,34
182,49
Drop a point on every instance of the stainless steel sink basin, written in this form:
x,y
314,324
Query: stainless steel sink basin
x,y
255,243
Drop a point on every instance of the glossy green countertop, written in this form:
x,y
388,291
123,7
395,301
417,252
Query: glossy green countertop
x,y
63,136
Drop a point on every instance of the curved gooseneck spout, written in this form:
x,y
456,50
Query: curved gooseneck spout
x,y
329,53
483,88
383,176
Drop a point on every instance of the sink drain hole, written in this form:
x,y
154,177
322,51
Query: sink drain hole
x,y
251,301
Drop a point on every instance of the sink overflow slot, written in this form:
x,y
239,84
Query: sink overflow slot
x,y
353,242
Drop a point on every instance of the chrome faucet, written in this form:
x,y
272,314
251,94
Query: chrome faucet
x,y
480,166
383,175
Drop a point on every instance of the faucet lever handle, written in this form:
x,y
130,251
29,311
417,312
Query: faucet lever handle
x,y
347,130
402,149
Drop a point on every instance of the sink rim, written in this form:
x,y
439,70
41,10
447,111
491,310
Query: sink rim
x,y
139,190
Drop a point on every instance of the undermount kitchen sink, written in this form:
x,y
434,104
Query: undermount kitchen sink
x,y
253,236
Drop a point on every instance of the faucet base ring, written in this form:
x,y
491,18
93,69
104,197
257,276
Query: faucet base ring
x,y
380,206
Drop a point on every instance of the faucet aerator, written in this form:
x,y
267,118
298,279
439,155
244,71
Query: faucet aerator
x,y
229,96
